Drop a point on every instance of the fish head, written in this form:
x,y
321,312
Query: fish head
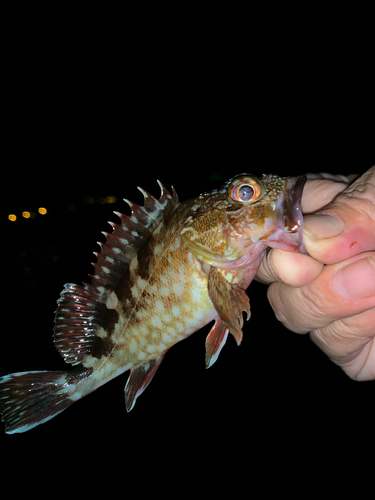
x,y
230,227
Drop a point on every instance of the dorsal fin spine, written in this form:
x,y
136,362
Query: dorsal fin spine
x,y
163,190
151,203
145,193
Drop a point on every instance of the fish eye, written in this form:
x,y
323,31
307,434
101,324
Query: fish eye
x,y
245,191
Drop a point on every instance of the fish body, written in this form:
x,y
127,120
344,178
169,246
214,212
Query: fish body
x,y
164,272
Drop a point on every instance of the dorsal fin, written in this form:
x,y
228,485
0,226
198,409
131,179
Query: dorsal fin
x,y
129,237
82,312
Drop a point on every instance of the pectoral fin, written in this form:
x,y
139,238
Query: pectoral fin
x,y
229,301
215,342
139,380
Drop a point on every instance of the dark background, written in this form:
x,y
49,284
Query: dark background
x,y
100,100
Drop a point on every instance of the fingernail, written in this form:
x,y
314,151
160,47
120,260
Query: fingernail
x,y
318,227
357,280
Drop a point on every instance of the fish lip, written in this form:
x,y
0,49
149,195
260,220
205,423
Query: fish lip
x,y
293,218
288,235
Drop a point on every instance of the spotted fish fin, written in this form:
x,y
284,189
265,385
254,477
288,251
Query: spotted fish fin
x,y
81,321
86,313
229,301
215,341
31,398
129,237
139,380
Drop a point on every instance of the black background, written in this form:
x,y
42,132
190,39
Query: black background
x,y
100,100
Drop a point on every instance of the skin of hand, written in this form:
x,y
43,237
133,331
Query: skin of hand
x,y
331,292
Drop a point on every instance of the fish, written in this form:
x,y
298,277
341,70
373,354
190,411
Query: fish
x,y
165,271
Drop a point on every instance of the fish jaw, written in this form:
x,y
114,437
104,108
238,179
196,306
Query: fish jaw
x,y
289,219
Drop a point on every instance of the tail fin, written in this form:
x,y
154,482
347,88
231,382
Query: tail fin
x,y
31,398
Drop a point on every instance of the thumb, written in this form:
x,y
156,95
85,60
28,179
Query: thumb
x,y
346,227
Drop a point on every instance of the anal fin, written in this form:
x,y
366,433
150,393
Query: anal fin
x,y
215,342
139,380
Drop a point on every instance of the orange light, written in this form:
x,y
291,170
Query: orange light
x,y
26,215
12,217
42,210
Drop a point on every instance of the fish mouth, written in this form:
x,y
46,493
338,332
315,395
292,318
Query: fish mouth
x,y
290,218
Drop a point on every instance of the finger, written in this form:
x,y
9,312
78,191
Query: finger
x,y
340,291
350,343
293,269
338,178
346,226
319,193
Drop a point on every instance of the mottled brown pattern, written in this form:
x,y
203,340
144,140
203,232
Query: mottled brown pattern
x,y
102,347
123,290
110,320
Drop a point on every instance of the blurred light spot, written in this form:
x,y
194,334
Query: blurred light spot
x,y
27,270
32,215
103,201
26,215
12,217
42,211
111,199
71,206
22,254
90,200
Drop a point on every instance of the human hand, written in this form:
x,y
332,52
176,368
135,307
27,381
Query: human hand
x,y
331,292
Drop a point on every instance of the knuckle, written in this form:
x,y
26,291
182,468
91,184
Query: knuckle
x,y
288,308
361,190
315,307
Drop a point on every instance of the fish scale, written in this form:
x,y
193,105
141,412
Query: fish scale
x,y
163,273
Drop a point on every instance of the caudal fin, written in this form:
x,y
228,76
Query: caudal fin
x,y
31,398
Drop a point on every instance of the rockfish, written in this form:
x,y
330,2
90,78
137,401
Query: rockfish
x,y
165,271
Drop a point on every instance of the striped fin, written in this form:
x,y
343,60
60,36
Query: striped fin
x,y
139,380
229,301
78,319
86,315
31,398
215,341
129,237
